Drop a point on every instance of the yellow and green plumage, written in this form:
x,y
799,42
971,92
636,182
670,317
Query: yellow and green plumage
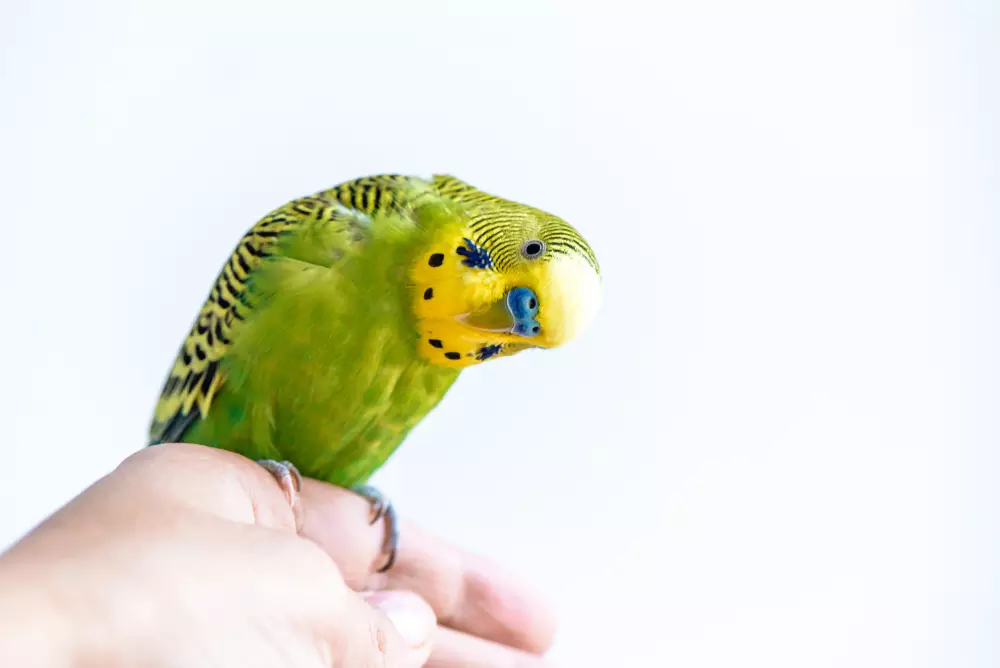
x,y
342,318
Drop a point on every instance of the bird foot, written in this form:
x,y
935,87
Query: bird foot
x,y
382,507
290,481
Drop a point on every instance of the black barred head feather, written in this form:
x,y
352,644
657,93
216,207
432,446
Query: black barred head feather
x,y
505,276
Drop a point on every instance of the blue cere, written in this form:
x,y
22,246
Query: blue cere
x,y
523,306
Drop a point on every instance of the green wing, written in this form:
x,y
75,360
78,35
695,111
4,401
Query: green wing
x,y
318,230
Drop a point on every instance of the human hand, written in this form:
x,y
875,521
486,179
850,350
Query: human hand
x,y
187,556
487,619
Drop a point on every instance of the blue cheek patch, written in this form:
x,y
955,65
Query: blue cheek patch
x,y
487,352
475,256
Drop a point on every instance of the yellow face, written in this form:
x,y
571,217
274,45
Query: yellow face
x,y
495,285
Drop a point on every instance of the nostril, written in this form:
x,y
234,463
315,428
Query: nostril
x,y
536,329
532,303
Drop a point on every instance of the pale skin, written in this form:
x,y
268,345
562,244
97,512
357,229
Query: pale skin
x,y
160,564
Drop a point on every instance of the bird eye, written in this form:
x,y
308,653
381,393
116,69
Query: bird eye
x,y
532,249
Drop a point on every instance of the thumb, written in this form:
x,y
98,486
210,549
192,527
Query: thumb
x,y
400,627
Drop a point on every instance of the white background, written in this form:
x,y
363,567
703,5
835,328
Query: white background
x,y
778,445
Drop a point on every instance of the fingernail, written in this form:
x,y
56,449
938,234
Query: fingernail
x,y
409,613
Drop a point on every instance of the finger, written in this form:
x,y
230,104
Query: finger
x,y
208,479
394,629
453,649
466,592
338,521
471,594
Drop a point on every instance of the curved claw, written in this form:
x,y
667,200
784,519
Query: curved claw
x,y
290,481
383,508
380,504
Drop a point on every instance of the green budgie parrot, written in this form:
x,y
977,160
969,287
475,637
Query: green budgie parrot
x,y
341,319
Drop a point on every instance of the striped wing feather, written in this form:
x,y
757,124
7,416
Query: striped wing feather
x,y
333,221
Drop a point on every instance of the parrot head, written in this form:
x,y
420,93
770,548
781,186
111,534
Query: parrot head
x,y
496,277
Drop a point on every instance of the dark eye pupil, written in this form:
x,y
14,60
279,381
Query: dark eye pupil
x,y
533,248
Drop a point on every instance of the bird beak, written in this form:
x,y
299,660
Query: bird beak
x,y
496,318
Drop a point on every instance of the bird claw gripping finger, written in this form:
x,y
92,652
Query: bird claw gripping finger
x,y
290,481
382,507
